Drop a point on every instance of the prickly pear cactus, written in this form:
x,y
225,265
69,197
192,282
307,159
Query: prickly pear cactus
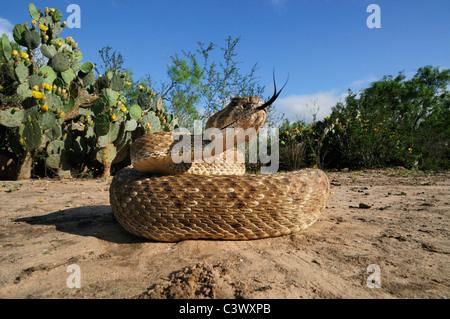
x,y
64,110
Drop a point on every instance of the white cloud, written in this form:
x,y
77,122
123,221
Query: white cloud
x,y
362,83
302,107
6,27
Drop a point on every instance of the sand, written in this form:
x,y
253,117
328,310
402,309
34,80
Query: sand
x,y
384,234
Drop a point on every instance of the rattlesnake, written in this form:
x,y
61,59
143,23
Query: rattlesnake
x,y
210,200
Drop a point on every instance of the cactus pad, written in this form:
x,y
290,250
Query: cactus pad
x,y
21,72
60,62
35,80
32,135
11,117
32,39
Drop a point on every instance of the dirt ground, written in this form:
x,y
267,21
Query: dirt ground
x,y
386,228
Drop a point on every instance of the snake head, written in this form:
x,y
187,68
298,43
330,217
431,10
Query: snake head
x,y
243,112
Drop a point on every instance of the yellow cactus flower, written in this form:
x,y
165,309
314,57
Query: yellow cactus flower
x,y
37,95
43,27
46,10
1,87
148,126
60,43
47,86
113,117
141,87
23,55
123,109
52,10
44,107
14,52
128,83
35,88
315,166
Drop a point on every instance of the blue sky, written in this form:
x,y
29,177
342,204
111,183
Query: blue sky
x,y
324,45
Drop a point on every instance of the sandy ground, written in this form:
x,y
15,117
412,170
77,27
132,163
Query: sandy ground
x,y
393,219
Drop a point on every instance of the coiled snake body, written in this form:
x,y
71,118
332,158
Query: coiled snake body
x,y
210,200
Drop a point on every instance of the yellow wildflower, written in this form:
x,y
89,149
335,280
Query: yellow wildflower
x,y
37,95
1,87
21,142
315,166
410,150
123,108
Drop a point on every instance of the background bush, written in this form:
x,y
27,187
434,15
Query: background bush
x,y
394,122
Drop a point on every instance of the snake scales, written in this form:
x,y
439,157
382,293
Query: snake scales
x,y
163,201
